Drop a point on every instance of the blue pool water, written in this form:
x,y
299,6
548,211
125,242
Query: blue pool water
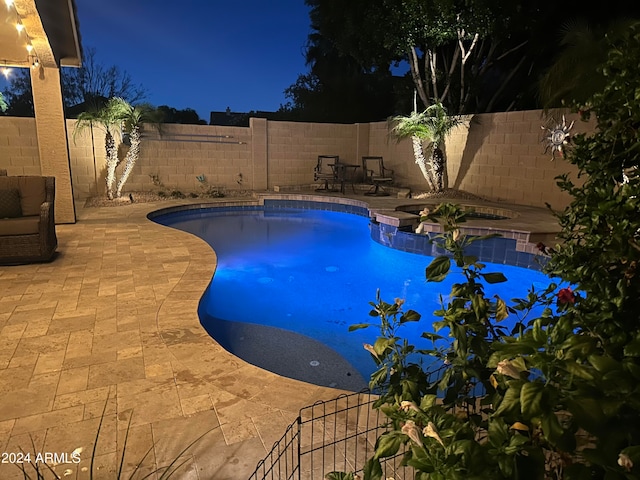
x,y
314,272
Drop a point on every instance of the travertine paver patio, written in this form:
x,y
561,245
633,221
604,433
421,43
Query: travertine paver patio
x,y
114,320
115,317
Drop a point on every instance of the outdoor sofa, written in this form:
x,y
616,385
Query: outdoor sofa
x,y
27,223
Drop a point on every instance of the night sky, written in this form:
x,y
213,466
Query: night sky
x,y
202,54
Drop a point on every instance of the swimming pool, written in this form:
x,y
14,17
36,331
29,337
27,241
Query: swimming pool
x,y
289,282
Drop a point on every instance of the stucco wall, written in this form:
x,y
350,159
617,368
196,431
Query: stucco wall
x,y
499,156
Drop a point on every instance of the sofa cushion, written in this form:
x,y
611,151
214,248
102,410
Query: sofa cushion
x,y
10,203
32,191
20,226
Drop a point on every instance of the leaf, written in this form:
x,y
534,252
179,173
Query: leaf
x,y
511,399
420,460
359,326
588,413
498,432
604,364
438,269
381,344
431,336
551,428
632,349
479,305
578,370
372,470
496,277
378,376
519,426
338,476
633,453
428,401
388,444
410,316
501,310
539,335
531,396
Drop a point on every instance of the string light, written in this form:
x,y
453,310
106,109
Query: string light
x,y
32,58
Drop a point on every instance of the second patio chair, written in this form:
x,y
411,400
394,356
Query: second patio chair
x,y
325,171
377,175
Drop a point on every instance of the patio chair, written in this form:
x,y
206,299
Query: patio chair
x,y
325,172
377,175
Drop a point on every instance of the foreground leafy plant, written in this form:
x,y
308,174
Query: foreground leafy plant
x,y
443,420
558,396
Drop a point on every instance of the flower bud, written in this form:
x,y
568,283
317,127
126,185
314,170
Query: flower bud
x,y
405,406
430,431
625,462
411,430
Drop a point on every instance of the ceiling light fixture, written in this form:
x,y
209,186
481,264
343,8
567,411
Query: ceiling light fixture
x,y
9,3
20,27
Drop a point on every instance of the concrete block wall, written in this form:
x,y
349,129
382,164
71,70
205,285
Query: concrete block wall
x,y
502,157
183,152
398,156
293,149
87,158
19,146
497,156
175,157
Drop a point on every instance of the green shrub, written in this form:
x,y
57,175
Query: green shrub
x,y
559,395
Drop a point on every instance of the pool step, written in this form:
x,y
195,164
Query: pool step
x,y
397,218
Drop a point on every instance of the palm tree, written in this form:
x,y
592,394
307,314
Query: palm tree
x,y
107,117
133,124
434,125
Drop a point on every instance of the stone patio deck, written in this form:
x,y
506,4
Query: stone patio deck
x,y
113,320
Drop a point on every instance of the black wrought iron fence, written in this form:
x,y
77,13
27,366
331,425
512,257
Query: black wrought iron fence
x,y
334,435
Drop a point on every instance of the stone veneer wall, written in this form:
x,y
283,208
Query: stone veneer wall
x,y
500,156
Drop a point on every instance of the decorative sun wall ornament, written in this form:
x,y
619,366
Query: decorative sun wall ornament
x,y
558,137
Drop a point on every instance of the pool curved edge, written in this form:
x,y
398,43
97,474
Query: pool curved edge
x,y
185,341
379,232
198,361
284,352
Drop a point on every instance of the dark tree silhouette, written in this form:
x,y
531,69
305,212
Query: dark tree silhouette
x,y
84,88
470,55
